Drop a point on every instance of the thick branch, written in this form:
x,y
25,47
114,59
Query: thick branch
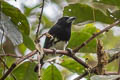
x,y
49,51
102,58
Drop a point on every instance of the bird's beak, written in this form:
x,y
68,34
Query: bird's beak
x,y
70,19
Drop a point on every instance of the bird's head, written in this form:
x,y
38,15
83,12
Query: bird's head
x,y
66,20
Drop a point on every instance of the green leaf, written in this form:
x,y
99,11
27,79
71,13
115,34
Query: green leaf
x,y
110,2
72,65
25,71
84,34
84,13
16,17
22,48
89,28
28,42
52,73
10,60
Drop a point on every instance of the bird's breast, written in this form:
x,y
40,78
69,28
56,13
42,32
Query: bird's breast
x,y
59,45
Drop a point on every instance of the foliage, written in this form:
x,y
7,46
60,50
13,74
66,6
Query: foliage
x,y
84,34
52,72
83,10
75,67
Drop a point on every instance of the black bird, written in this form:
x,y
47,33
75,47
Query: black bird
x,y
61,33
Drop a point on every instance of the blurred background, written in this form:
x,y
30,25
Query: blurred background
x,y
53,10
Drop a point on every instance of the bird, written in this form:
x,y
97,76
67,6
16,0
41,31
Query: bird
x,y
61,33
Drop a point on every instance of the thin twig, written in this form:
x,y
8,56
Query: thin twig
x,y
38,28
115,56
95,35
44,34
12,55
39,65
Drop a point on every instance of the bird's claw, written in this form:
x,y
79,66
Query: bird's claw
x,y
70,51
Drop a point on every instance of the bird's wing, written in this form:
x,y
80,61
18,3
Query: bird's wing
x,y
53,32
48,42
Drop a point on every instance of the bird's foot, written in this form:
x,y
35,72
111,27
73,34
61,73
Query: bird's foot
x,y
70,51
54,51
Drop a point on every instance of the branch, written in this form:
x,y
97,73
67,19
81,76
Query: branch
x,y
38,29
39,65
91,38
93,70
7,68
102,58
16,63
12,55
48,51
115,56
37,41
95,35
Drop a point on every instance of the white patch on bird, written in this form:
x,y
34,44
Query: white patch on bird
x,y
65,46
55,39
60,45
